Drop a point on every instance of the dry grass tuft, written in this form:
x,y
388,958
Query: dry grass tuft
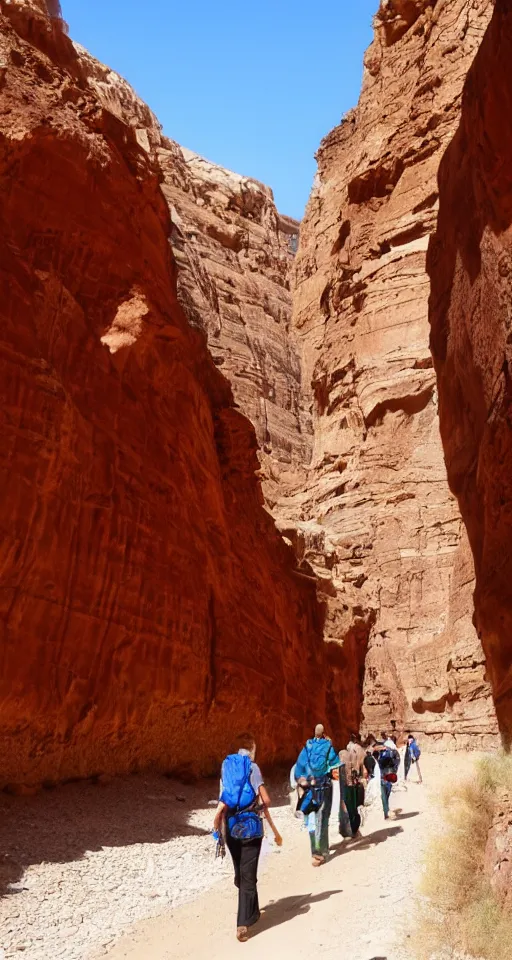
x,y
460,915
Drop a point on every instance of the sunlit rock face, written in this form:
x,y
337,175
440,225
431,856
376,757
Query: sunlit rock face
x,y
235,255
376,518
470,267
149,610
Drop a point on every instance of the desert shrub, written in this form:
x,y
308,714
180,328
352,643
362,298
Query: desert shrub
x,y
459,915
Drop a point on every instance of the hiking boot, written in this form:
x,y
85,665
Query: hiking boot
x,y
242,934
318,860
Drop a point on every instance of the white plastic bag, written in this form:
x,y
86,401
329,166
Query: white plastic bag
x,y
372,793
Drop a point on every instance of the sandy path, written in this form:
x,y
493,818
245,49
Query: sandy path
x,y
357,905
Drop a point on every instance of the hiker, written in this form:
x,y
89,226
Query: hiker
x,y
372,794
412,755
317,763
388,759
369,762
243,801
388,741
351,788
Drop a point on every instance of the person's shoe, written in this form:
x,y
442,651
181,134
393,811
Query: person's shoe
x,y
318,860
392,815
242,934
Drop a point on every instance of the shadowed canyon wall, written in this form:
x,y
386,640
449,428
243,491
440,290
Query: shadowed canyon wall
x,y
147,602
470,266
376,519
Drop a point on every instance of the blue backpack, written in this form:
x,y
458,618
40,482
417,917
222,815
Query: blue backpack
x,y
318,757
389,760
240,798
414,750
317,752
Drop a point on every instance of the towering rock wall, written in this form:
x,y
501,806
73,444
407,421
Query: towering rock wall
x,y
377,520
470,266
148,607
235,253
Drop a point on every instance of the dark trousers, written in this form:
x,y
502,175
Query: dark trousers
x,y
407,763
245,856
351,800
319,837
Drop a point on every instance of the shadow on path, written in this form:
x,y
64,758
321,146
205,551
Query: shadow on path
x,y
280,911
63,824
378,836
66,822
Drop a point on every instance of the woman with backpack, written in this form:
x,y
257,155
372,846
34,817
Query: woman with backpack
x,y
388,758
243,802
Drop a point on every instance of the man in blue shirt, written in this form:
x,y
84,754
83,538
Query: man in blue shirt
x,y
313,772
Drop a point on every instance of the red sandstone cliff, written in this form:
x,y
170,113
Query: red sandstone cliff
x,y
376,519
235,254
470,266
147,602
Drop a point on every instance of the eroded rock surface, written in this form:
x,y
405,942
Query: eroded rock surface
x,y
145,592
498,853
377,521
470,266
235,253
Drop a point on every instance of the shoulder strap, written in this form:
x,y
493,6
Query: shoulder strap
x,y
245,781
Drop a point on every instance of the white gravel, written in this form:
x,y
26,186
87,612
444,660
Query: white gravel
x,y
81,863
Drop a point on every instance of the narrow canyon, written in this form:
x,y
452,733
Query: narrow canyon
x,y
240,488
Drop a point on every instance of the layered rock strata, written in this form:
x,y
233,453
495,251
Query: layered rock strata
x,y
234,253
149,609
377,521
470,267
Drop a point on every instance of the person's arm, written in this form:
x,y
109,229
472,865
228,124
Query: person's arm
x,y
301,769
263,795
333,759
277,836
219,816
265,802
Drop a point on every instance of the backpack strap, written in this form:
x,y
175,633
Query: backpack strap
x,y
242,787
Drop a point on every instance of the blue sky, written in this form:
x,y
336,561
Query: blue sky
x,y
252,86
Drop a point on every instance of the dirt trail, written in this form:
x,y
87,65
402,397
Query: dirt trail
x,y
357,905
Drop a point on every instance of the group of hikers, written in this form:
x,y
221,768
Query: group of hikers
x,y
366,775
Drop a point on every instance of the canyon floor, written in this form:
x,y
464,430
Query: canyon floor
x,y
90,870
